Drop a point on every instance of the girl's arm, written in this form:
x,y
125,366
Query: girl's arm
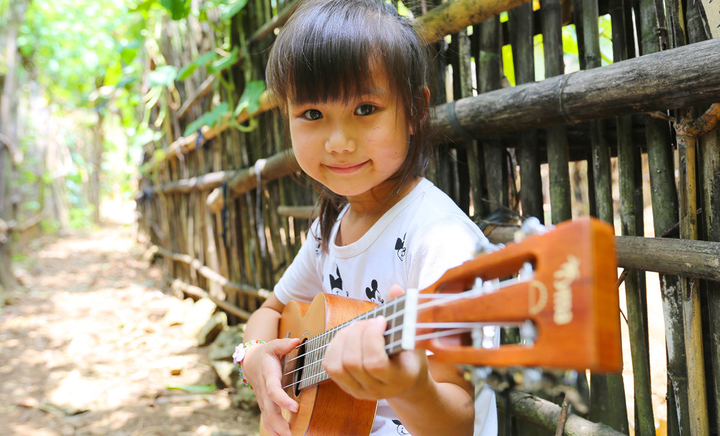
x,y
262,366
439,404
429,397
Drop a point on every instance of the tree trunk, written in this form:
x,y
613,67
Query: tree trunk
x,y
8,101
96,165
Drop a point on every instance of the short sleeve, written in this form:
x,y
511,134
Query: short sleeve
x,y
439,246
302,281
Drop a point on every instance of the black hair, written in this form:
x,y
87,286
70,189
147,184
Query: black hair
x,y
328,50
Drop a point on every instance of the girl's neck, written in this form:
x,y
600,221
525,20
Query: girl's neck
x,y
364,211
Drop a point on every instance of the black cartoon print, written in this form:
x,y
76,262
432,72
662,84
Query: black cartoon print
x,y
373,294
400,247
336,285
400,428
318,246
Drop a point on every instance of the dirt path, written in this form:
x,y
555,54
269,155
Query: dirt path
x,y
83,350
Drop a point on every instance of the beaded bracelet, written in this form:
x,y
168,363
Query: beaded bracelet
x,y
239,355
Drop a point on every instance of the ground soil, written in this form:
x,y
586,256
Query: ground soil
x,y
84,351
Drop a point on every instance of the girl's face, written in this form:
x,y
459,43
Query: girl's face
x,y
351,148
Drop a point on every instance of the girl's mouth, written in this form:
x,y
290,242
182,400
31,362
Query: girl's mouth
x,y
345,168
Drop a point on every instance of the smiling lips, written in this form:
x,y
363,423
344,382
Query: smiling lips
x,y
345,168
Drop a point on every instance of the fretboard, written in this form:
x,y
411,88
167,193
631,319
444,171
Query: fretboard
x,y
313,372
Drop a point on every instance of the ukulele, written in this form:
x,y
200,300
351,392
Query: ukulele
x,y
566,292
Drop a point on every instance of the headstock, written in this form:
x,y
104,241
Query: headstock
x,y
570,297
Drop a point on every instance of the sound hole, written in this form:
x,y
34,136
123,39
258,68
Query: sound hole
x,y
299,368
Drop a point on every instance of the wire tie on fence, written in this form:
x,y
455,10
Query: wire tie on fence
x,y
258,167
457,127
199,140
561,106
224,213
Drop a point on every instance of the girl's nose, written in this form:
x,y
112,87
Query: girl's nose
x,y
340,141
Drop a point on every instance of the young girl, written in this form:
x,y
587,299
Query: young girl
x,y
351,78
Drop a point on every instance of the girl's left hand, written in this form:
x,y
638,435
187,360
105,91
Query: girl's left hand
x,y
357,361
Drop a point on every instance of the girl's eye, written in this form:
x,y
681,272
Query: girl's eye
x,y
365,110
312,114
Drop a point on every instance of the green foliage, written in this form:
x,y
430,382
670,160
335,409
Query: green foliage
x,y
232,9
208,119
195,389
250,99
201,61
178,9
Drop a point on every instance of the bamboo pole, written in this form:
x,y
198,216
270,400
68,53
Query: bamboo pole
x,y
557,142
488,58
709,152
466,87
521,25
631,211
692,317
665,215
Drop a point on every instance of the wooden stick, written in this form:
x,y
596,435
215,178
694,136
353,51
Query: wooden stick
x,y
201,293
201,92
212,275
545,415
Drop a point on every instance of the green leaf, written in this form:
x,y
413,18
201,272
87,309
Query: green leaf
x,y
250,99
190,68
187,71
196,389
232,9
178,9
163,76
207,119
128,52
224,62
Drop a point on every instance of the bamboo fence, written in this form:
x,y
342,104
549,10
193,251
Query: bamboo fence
x,y
226,209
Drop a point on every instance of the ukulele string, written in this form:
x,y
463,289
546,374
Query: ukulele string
x,y
390,346
440,298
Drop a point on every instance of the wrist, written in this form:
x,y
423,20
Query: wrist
x,y
241,353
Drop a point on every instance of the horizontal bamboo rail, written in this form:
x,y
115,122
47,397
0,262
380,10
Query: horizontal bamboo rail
x,y
430,26
209,274
680,77
198,292
640,84
545,415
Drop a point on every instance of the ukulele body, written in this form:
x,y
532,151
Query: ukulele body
x,y
324,409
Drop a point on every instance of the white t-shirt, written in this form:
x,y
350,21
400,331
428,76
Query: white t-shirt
x,y
411,245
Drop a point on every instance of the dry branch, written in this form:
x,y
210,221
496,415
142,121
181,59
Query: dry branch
x,y
209,274
201,92
545,415
201,293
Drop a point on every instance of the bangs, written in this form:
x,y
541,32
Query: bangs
x,y
335,51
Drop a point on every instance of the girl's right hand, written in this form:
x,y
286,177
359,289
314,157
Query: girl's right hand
x,y
263,370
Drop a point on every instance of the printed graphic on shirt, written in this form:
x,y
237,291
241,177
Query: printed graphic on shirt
x,y
373,294
400,247
400,428
336,284
318,246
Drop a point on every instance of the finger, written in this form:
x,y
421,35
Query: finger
x,y
275,423
278,395
375,358
396,291
337,362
